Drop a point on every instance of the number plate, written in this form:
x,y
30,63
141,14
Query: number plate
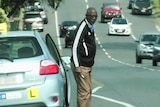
x,y
10,95
11,79
143,10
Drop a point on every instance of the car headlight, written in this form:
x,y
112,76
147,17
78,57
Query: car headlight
x,y
157,48
142,46
150,7
111,27
74,27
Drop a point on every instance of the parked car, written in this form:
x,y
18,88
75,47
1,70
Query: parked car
x,y
156,53
145,43
30,18
67,25
32,72
42,11
119,26
110,10
69,38
142,7
130,4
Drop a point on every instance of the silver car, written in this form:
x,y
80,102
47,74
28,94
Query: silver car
x,y
32,73
145,43
33,21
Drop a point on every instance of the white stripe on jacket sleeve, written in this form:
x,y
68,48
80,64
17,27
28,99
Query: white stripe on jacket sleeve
x,y
75,44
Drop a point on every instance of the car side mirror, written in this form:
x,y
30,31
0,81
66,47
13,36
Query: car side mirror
x,y
137,41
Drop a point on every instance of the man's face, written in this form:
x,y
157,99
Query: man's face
x,y
92,17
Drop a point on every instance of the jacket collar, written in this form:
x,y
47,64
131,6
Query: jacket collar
x,y
89,25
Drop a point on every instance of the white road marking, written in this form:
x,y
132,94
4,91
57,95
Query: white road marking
x,y
57,32
113,100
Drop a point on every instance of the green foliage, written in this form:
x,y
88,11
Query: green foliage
x,y
4,18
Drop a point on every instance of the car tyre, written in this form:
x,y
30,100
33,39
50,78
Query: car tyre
x,y
138,59
66,45
102,19
154,63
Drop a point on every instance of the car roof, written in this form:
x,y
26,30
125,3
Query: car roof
x,y
18,33
110,3
32,12
70,21
151,32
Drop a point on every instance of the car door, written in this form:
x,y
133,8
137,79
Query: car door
x,y
63,68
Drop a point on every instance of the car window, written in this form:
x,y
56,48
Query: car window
x,y
143,0
19,47
158,42
119,21
69,23
151,38
114,6
31,16
52,48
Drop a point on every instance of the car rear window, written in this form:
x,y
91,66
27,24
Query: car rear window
x,y
34,15
19,47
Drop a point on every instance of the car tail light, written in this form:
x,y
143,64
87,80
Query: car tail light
x,y
48,67
42,13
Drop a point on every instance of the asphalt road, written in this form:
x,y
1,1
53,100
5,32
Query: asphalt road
x,y
117,80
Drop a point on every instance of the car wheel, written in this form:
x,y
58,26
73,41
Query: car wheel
x,y
102,19
133,12
108,32
66,45
154,63
138,59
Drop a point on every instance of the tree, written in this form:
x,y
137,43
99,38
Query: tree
x,y
11,6
4,18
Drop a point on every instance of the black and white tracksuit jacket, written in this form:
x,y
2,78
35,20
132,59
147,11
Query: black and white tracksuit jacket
x,y
84,46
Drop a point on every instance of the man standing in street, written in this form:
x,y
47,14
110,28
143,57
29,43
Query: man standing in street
x,y
82,59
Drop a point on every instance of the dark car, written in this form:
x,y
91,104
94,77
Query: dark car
x,y
156,53
142,7
67,25
144,49
69,38
110,10
130,4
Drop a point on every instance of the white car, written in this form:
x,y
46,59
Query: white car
x,y
119,26
33,21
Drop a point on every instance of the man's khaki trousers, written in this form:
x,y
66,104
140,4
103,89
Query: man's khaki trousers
x,y
83,79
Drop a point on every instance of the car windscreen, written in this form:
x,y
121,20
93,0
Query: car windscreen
x,y
19,47
143,1
113,6
27,16
69,23
151,38
119,21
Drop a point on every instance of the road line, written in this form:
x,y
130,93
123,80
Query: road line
x,y
113,100
57,32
